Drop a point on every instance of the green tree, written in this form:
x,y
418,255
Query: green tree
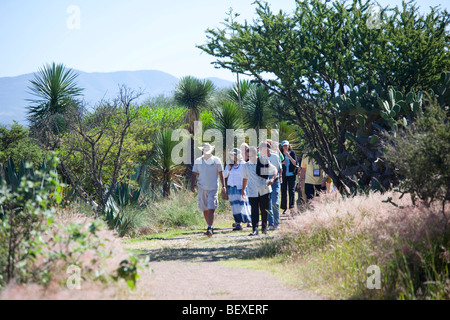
x,y
16,143
321,52
101,150
56,91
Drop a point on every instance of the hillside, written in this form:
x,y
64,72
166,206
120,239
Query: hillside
x,y
97,85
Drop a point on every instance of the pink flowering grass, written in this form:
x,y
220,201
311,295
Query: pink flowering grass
x,y
98,254
409,242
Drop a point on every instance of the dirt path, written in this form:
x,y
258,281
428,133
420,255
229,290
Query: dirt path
x,y
189,268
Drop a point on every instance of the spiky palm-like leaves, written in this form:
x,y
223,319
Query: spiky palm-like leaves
x,y
194,94
256,105
239,91
162,170
55,89
227,115
291,133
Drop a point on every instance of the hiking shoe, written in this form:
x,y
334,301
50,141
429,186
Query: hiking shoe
x,y
254,233
237,228
264,231
209,232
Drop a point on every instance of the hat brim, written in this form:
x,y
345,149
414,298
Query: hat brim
x,y
207,151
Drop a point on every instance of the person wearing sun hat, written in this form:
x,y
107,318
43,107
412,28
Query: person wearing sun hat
x,y
233,173
208,168
290,165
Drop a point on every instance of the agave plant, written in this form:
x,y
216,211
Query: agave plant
x,y
12,175
12,178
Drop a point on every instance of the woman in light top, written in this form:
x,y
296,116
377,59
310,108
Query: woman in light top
x,y
239,204
259,174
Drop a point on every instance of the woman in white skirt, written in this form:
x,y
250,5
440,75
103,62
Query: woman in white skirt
x,y
240,207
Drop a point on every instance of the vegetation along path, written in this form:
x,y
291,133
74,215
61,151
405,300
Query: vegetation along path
x,y
190,266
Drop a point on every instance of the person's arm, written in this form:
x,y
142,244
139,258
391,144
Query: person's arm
x,y
324,180
274,174
292,159
193,180
272,180
222,180
301,177
244,185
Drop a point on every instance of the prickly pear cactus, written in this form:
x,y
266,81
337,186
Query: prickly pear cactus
x,y
364,116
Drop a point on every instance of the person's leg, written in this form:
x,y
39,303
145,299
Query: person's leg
x,y
291,191
309,191
209,216
237,207
254,204
275,198
203,203
318,189
271,217
283,202
212,203
264,207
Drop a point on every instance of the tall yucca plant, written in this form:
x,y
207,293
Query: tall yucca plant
x,y
256,105
239,91
55,89
193,93
227,115
291,133
162,170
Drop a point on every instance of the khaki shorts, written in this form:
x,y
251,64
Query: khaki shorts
x,y
207,199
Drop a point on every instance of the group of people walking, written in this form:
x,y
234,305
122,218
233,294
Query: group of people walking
x,y
252,182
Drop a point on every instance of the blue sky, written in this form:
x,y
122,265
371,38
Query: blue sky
x,y
117,35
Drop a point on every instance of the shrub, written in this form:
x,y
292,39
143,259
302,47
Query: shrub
x,y
16,143
37,243
421,154
26,207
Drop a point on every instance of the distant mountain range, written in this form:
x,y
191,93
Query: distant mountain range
x,y
97,85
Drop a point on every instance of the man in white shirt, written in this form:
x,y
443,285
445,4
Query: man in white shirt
x,y
258,176
208,168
